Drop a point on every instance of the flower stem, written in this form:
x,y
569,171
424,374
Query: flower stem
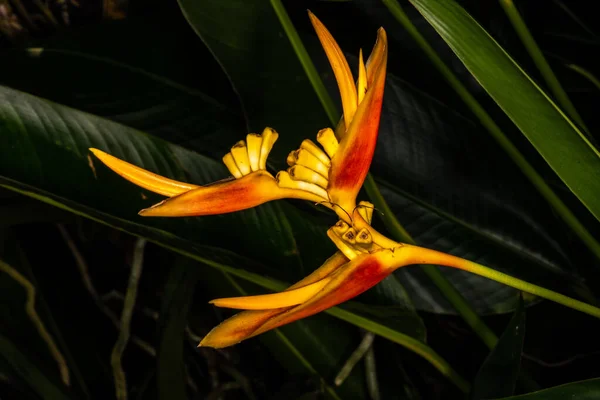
x,y
422,255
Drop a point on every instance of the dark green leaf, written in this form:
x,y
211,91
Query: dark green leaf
x,y
564,147
583,390
498,374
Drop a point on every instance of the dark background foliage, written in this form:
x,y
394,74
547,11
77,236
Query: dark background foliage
x,y
141,65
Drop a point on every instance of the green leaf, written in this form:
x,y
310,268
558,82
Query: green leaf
x,y
498,374
179,290
27,370
582,390
556,138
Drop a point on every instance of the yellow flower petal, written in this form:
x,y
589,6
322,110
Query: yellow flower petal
x,y
340,67
361,85
141,177
271,301
243,325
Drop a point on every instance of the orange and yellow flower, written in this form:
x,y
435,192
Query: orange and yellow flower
x,y
330,174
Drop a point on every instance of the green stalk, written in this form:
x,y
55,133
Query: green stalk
x,y
585,73
484,118
435,257
540,62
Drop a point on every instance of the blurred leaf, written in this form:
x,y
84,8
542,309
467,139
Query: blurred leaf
x,y
498,374
179,290
582,390
556,138
28,370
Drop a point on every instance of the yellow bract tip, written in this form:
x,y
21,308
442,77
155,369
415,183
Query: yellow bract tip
x,y
362,78
141,177
340,67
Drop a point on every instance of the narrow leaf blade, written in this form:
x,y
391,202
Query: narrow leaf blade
x,y
558,140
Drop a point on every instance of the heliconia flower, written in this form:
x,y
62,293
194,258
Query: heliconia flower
x,y
330,174
362,110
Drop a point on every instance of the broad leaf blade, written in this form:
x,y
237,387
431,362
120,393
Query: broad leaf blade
x,y
557,139
498,374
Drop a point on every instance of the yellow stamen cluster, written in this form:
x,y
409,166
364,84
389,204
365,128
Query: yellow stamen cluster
x,y
309,165
251,155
